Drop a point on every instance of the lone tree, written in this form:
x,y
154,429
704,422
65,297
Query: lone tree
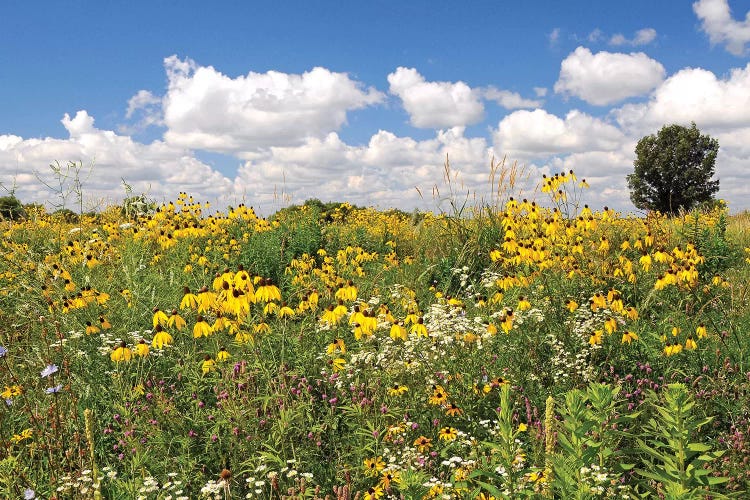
x,y
11,208
673,170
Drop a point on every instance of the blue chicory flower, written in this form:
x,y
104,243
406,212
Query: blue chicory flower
x,y
49,370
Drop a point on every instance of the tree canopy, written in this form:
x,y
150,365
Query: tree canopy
x,y
11,208
673,170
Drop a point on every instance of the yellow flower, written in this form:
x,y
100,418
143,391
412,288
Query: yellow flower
x,y
571,305
189,300
390,477
141,348
448,434
423,444
373,493
452,410
208,365
690,344
105,325
419,329
596,337
261,328
701,331
439,395
223,355
91,328
161,338
628,337
373,466
176,320
160,317
336,345
631,313
25,434
398,331
201,328
522,427
397,390
523,304
122,353
610,325
338,364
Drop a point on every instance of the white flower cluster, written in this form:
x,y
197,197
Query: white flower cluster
x,y
603,484
172,488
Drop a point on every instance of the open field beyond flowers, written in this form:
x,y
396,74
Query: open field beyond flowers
x,y
338,352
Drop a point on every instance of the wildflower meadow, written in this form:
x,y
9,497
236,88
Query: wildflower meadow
x,y
523,347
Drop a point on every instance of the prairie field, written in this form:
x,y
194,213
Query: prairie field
x,y
519,348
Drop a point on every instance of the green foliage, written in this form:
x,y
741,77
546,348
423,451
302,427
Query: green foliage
x,y
11,208
673,170
678,466
589,440
137,206
712,243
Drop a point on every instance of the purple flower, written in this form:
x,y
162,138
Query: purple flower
x,y
29,494
3,351
49,370
53,390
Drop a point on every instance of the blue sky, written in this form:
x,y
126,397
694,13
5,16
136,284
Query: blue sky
x,y
362,101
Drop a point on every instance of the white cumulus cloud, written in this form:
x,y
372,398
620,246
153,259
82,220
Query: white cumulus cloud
x,y
693,94
435,104
605,77
105,158
717,22
539,133
508,99
205,109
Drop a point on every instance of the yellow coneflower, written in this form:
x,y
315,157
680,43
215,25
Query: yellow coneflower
x,y
423,444
208,365
373,493
336,345
104,324
262,328
285,311
160,318
506,322
397,390
175,320
389,477
141,348
398,332
701,331
596,337
223,355
121,353
439,395
91,328
452,410
419,329
610,325
448,434
690,344
373,466
628,337
201,328
161,338
338,364
523,304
